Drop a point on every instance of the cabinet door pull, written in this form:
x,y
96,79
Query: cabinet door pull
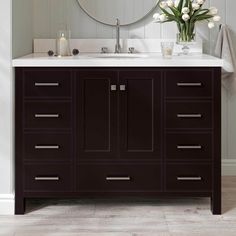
x,y
46,84
118,178
189,84
198,178
46,115
122,87
189,147
56,178
46,147
189,115
113,87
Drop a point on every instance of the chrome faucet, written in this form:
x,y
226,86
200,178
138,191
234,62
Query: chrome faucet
x,y
117,47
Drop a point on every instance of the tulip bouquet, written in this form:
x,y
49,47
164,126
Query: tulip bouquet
x,y
186,13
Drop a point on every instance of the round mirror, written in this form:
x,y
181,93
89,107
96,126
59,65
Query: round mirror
x,y
127,11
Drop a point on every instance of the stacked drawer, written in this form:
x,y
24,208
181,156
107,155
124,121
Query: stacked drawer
x,y
47,130
188,130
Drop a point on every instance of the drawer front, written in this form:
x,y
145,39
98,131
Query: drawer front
x,y
190,115
188,146
188,177
47,178
47,115
119,178
48,147
188,83
47,83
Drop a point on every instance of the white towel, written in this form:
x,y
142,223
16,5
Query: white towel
x,y
225,50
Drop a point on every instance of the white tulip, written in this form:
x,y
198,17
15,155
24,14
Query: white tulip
x,y
176,3
216,18
200,2
211,25
185,10
185,17
170,3
163,4
195,6
156,16
162,17
213,10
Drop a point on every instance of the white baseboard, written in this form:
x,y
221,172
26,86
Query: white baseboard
x,y
229,167
7,204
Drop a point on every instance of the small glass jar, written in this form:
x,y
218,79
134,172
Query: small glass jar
x,y
63,43
167,49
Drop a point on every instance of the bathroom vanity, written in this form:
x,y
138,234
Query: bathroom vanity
x,y
101,127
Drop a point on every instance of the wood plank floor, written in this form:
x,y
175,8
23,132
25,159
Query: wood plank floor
x,y
165,217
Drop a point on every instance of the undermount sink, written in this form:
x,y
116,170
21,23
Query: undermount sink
x,y
119,55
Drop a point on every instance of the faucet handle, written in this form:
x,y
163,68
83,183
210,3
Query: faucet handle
x,y
131,50
104,50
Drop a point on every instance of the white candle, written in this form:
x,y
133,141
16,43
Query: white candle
x,y
63,46
168,52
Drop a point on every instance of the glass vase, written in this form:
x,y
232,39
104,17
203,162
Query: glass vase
x,y
186,37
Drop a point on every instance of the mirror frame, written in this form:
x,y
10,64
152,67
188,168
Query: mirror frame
x,y
87,13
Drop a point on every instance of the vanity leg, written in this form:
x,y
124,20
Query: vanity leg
x,y
216,204
19,206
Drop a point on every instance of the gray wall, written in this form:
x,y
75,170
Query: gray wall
x,y
22,27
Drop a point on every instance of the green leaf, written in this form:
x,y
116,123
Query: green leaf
x,y
180,6
170,16
204,17
175,11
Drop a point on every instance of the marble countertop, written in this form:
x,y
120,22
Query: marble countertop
x,y
114,60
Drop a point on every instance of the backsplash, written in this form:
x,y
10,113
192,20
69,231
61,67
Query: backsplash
x,y
95,45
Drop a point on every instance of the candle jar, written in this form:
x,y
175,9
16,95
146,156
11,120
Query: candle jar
x,y
167,49
63,43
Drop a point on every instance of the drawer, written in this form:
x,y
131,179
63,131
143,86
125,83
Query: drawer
x,y
48,115
48,147
119,178
190,115
186,146
188,177
47,83
47,178
188,83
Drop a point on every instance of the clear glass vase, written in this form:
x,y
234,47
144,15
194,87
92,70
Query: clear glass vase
x,y
186,39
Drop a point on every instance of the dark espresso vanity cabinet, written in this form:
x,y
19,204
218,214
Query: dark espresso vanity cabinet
x,y
101,132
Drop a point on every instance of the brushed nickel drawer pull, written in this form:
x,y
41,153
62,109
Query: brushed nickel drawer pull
x,y
122,87
189,147
189,84
46,84
47,178
189,115
46,147
118,178
46,115
189,178
113,87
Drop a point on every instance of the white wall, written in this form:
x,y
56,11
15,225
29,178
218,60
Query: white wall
x,y
19,14
6,161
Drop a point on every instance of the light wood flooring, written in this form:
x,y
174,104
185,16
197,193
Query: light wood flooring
x,y
164,217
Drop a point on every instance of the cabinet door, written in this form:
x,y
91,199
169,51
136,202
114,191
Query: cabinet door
x,y
97,114
140,114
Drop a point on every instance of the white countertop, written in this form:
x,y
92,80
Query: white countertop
x,y
101,60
